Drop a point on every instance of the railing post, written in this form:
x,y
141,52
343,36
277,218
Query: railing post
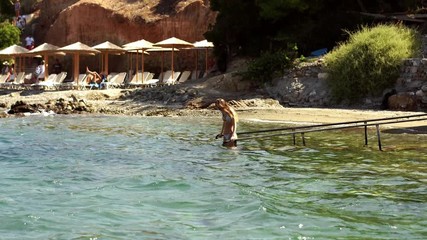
x,y
303,139
293,137
366,133
379,137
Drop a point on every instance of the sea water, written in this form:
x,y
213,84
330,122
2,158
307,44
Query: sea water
x,y
114,177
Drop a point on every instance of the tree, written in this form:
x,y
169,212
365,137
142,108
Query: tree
x,y
9,34
250,27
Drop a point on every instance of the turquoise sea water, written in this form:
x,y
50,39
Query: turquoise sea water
x,y
104,177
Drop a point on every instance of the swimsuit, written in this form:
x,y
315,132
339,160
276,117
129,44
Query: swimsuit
x,y
228,137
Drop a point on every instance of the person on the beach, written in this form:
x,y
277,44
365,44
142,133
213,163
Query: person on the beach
x,y
229,124
17,8
38,74
93,77
9,72
29,42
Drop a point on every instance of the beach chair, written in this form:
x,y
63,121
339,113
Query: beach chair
x,y
80,84
106,83
150,82
145,77
184,76
137,79
27,78
118,80
59,80
47,84
18,82
164,76
3,78
195,74
170,80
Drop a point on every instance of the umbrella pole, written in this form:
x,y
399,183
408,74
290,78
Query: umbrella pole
x,y
46,66
76,69
106,64
161,70
197,61
142,65
172,62
206,56
14,69
136,66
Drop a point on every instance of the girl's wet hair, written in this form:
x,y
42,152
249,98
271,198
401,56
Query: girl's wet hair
x,y
220,102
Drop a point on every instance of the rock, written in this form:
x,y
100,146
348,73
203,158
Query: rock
x,y
22,107
402,102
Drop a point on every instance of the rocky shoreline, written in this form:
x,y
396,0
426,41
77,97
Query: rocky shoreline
x,y
175,101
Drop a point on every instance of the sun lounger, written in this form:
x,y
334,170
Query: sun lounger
x,y
59,80
17,83
150,82
195,74
80,84
184,76
116,81
134,80
142,77
47,84
172,80
105,84
3,78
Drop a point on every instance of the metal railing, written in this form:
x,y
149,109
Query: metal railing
x,y
334,126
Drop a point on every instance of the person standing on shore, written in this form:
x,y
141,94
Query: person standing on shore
x,y
17,8
29,42
229,124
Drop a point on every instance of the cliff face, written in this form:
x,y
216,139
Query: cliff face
x,y
62,22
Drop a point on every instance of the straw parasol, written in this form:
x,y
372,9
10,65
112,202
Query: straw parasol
x,y
14,51
173,42
76,49
141,45
45,50
107,48
204,44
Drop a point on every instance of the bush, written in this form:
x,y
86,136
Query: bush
x,y
9,34
269,65
370,60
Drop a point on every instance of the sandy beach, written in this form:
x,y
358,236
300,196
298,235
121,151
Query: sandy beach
x,y
111,101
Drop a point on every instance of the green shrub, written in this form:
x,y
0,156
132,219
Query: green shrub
x,y
269,65
370,60
9,34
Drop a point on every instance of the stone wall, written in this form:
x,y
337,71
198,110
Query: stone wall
x,y
306,85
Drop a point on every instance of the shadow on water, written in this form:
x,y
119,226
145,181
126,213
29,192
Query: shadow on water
x,y
409,130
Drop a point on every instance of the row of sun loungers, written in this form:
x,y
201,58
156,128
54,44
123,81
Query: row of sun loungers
x,y
54,81
114,80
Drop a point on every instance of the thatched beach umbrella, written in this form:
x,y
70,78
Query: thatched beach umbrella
x,y
45,50
107,48
14,51
140,45
76,49
203,45
173,42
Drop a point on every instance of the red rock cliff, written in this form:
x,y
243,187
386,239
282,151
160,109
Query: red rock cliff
x,y
63,22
